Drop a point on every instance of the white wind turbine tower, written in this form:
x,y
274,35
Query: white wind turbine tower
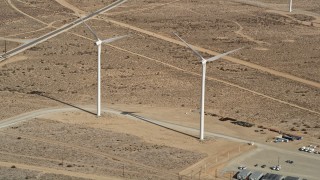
x,y
290,5
98,43
204,63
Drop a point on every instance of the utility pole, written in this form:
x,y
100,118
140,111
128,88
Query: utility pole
x,y
123,170
5,46
216,174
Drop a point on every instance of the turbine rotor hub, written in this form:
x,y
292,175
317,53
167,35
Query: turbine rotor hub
x,y
99,42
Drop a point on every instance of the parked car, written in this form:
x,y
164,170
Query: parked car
x,y
289,161
276,168
263,166
242,167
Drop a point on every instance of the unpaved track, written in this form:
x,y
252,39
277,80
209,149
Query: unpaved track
x,y
228,58
16,40
31,17
39,113
231,59
76,10
221,81
143,8
249,38
193,73
162,123
58,31
55,171
89,151
58,161
281,9
208,77
41,29
166,124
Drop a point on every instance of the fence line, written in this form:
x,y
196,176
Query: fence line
x,y
209,169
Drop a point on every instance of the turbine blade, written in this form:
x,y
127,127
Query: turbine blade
x,y
91,30
195,52
222,55
114,39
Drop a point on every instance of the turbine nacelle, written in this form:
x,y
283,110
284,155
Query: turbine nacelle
x,y
203,60
99,42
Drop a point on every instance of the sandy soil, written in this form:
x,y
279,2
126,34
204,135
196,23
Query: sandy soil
x,y
145,71
80,143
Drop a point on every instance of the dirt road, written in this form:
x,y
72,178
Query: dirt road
x,y
76,10
277,73
31,17
228,58
231,59
162,123
54,171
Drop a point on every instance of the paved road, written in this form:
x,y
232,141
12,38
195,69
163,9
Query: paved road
x,y
58,31
175,127
228,58
210,78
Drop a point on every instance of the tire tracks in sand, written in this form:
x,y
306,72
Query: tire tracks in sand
x,y
228,58
221,81
90,151
208,77
234,60
58,161
54,171
73,8
31,17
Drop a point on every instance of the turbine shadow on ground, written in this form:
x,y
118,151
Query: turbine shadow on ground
x,y
155,123
68,104
59,101
126,113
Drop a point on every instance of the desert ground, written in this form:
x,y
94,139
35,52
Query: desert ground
x,y
274,82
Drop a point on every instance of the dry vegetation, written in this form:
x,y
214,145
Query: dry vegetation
x,y
64,67
84,149
144,70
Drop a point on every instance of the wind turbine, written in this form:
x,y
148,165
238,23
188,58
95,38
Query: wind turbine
x,y
98,43
290,5
204,64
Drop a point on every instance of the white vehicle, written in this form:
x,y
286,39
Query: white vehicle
x,y
242,167
276,168
311,150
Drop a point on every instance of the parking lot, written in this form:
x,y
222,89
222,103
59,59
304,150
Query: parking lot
x,y
304,165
